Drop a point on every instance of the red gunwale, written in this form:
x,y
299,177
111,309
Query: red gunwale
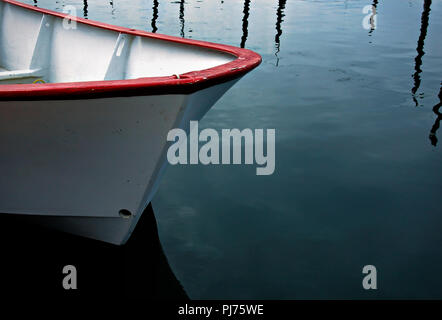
x,y
245,61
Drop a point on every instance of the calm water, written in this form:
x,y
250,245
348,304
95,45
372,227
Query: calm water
x,y
358,177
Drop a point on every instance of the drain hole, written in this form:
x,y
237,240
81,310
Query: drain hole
x,y
125,213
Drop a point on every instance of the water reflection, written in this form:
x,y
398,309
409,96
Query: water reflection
x,y
113,9
374,8
245,23
155,15
420,49
139,268
85,12
279,19
182,21
436,110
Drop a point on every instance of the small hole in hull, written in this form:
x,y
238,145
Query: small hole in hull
x,y
124,213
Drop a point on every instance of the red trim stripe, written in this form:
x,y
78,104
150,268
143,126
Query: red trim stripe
x,y
245,61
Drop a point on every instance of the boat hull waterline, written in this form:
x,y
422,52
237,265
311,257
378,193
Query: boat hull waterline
x,y
84,152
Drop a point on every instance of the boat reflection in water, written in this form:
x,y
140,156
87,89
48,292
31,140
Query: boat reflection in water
x,y
33,257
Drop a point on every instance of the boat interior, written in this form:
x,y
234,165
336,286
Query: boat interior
x,y
40,48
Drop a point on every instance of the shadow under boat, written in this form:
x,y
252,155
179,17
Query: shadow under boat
x,y
33,258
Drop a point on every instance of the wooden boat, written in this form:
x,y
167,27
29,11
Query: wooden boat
x,y
84,151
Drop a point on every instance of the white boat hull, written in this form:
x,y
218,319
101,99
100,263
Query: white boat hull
x,y
80,171
85,112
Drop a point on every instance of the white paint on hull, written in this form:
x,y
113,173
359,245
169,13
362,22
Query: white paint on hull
x,y
82,157
78,159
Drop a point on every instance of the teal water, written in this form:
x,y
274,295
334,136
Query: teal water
x,y
358,177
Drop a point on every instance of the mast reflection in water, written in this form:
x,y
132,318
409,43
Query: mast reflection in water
x,y
279,19
182,21
245,23
420,49
85,11
154,15
436,110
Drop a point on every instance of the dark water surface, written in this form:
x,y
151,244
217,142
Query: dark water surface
x,y
358,175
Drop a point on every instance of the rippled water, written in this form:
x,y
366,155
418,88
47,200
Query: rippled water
x,y
358,175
